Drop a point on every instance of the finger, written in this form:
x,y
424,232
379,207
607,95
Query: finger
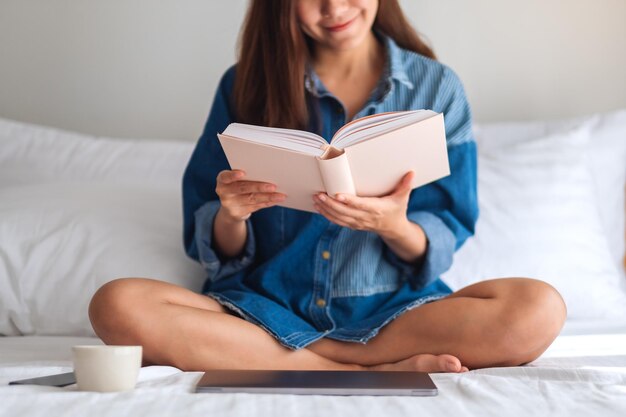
x,y
324,212
339,207
246,187
349,220
228,177
244,212
260,206
256,198
404,185
359,203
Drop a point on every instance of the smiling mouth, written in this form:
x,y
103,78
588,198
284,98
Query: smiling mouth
x,y
338,28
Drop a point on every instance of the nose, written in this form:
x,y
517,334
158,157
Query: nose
x,y
334,9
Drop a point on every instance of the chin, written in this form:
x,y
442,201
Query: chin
x,y
347,42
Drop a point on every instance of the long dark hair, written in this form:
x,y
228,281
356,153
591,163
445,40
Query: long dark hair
x,y
269,83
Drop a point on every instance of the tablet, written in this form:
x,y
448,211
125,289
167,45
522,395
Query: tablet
x,y
318,382
58,380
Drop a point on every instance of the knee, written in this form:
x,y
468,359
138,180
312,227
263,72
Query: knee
x,y
112,308
533,313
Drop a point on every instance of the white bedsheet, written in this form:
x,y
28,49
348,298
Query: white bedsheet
x,y
582,373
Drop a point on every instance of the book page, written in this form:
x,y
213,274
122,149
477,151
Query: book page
x,y
371,126
295,140
366,121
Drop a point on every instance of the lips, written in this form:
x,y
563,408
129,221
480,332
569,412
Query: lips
x,y
340,27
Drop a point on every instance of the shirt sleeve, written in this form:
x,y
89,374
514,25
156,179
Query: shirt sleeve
x,y
446,209
200,201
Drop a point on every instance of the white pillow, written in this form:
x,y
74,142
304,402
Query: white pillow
x,y
606,158
539,218
37,154
76,212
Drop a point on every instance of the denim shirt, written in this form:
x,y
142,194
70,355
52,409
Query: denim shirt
x,y
301,277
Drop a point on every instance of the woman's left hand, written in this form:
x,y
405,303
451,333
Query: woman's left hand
x,y
384,215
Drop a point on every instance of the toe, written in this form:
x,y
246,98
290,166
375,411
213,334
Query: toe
x,y
440,363
449,363
423,363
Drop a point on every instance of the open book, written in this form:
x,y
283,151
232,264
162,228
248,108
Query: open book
x,y
366,157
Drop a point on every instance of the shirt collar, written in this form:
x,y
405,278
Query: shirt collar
x,y
396,63
394,70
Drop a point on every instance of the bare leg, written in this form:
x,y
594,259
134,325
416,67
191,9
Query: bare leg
x,y
498,322
193,332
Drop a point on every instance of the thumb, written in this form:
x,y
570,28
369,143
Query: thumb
x,y
404,186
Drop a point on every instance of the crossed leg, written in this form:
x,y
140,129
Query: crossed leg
x,y
500,322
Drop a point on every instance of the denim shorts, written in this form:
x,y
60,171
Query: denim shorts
x,y
349,319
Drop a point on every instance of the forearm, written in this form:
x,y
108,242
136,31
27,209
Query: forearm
x,y
408,241
229,236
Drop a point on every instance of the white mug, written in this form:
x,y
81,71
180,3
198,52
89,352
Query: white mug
x,y
106,368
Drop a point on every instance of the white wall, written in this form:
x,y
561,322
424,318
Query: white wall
x,y
148,68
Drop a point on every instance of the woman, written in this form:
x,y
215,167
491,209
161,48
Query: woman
x,y
355,286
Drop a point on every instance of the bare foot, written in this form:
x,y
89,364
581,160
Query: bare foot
x,y
423,363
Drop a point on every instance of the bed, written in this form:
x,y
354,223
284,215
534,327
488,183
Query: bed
x,y
77,211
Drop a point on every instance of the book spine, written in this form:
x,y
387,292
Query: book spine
x,y
336,174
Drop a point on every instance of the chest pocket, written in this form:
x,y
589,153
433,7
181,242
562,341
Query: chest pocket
x,y
358,265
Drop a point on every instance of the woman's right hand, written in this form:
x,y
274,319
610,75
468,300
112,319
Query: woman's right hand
x,y
240,198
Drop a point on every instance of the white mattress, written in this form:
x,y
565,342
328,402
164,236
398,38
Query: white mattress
x,y
582,373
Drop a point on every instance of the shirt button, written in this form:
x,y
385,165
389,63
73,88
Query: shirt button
x,y
326,255
321,303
